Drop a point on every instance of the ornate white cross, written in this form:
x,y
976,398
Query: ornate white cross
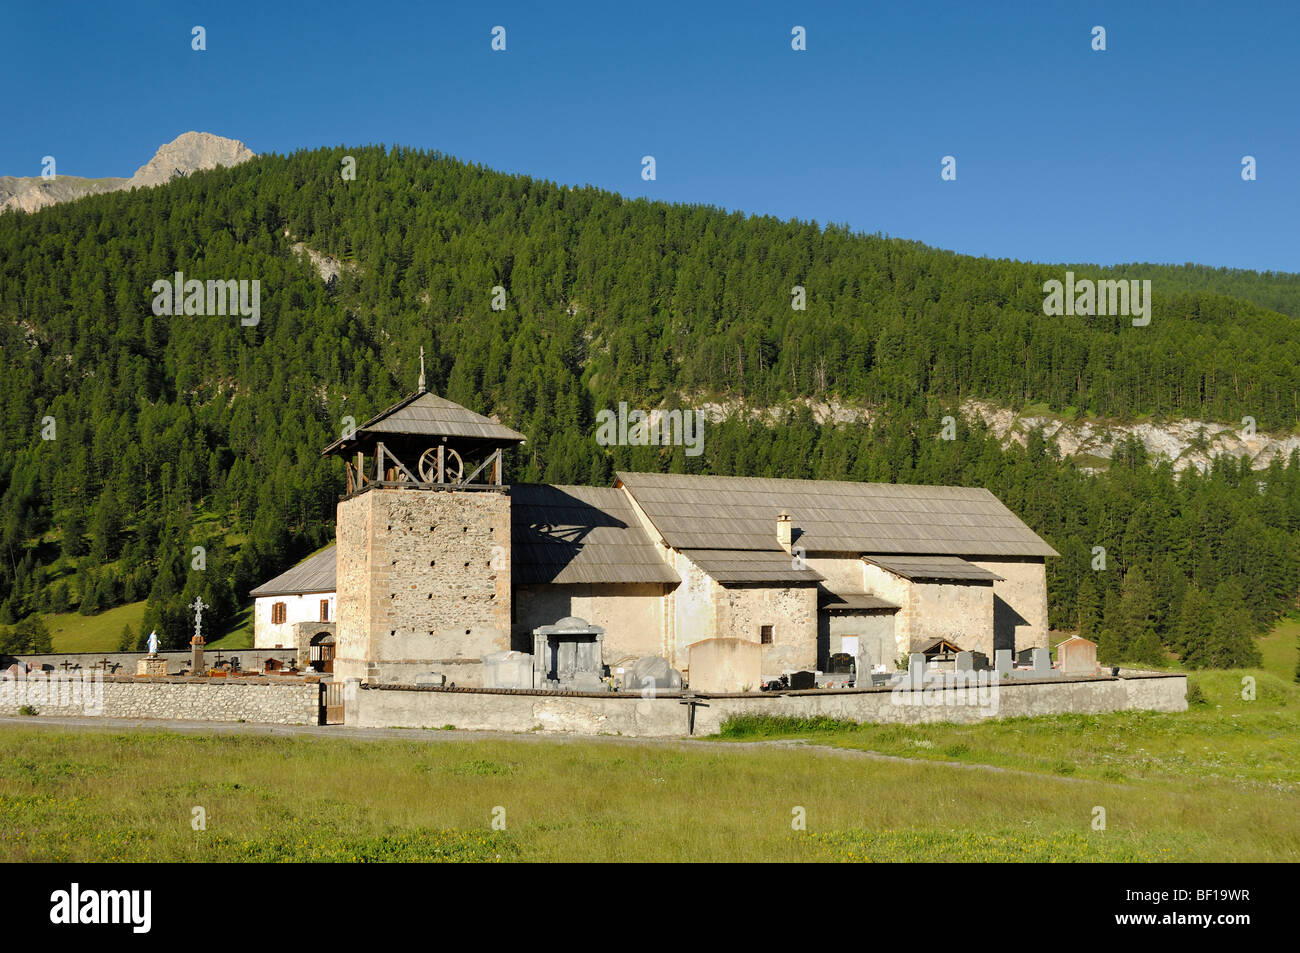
x,y
198,607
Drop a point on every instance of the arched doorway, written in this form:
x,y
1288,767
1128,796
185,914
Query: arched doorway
x,y
322,652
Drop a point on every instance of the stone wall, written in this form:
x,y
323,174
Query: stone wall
x,y
260,700
632,615
742,611
874,629
1019,602
959,612
423,582
665,715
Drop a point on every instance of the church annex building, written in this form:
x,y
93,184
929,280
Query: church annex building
x,y
437,562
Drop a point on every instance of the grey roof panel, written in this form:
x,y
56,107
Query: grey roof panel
x,y
316,573
580,534
933,567
857,602
741,566
718,512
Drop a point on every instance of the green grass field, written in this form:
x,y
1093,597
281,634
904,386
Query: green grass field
x,y
118,797
1218,783
72,632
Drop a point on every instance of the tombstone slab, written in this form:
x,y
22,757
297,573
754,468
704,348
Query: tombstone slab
x,y
725,665
508,670
916,670
652,671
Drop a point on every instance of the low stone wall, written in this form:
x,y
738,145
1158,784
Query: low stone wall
x,y
271,701
403,706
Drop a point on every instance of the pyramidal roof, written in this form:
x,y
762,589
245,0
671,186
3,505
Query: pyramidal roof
x,y
428,415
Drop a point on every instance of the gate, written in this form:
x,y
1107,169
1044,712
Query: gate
x,y
331,703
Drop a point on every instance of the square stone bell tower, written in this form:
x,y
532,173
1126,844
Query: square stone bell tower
x,y
423,543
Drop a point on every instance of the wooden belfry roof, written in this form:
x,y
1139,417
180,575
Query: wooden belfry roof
x,y
580,534
718,512
424,414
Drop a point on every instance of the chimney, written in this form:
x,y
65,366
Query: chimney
x,y
784,530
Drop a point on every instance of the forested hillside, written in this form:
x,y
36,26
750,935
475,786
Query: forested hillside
x,y
175,432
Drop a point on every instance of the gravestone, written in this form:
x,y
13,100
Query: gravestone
x,y
652,671
567,656
726,665
864,663
802,681
508,670
965,662
1078,656
1002,661
1042,662
916,670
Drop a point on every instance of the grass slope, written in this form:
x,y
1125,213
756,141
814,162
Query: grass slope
x,y
73,632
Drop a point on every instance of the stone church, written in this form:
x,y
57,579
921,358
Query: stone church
x,y
438,562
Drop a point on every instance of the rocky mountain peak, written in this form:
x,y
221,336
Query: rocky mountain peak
x,y
190,152
187,153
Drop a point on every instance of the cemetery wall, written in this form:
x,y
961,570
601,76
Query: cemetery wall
x,y
631,715
258,700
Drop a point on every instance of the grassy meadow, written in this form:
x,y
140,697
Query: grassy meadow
x,y
1218,783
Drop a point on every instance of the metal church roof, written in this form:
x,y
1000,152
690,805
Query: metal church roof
x,y
719,512
316,573
580,534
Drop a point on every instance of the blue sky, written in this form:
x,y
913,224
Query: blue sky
x,y
1063,153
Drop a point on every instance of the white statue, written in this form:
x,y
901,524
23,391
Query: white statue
x,y
153,643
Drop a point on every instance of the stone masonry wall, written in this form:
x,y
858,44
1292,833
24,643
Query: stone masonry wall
x,y
792,613
424,582
631,715
260,700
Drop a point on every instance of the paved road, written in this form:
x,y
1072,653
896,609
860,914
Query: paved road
x,y
433,736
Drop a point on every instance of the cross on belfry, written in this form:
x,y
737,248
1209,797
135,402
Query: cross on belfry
x,y
198,606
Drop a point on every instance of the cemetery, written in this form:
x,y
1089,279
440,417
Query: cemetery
x,y
658,606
